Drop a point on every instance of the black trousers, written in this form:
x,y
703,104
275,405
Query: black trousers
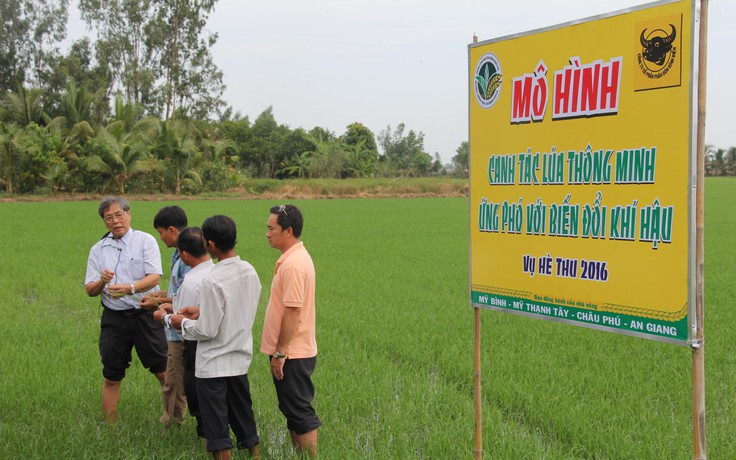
x,y
226,401
190,384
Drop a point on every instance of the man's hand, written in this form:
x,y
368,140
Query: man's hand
x,y
189,312
149,302
185,312
106,276
277,368
176,321
158,315
118,290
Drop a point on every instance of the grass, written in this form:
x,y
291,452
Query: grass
x,y
394,376
362,187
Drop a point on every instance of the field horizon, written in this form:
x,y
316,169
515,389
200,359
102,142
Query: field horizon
x,y
394,376
302,189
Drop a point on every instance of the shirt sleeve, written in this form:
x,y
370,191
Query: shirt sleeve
x,y
294,282
93,266
211,312
152,257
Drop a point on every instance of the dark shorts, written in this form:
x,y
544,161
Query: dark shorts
x,y
226,401
190,384
120,332
295,393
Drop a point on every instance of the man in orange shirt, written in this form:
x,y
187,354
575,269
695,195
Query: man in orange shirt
x,y
289,327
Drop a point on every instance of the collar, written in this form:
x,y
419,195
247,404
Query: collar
x,y
229,260
125,240
202,266
296,247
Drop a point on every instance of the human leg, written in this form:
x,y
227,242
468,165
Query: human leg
x,y
110,399
175,402
190,384
212,394
240,412
222,455
295,393
151,345
307,443
115,347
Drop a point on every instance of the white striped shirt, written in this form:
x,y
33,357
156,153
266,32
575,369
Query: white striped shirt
x,y
227,308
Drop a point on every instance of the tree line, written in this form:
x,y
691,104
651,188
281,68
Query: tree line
x,y
140,109
720,162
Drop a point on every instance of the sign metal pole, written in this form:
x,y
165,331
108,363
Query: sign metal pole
x,y
698,347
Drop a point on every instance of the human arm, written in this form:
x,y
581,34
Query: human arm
x,y
176,320
289,326
95,288
97,274
162,310
144,284
140,269
153,300
203,322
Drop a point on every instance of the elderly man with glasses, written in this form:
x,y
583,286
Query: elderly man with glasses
x,y
120,267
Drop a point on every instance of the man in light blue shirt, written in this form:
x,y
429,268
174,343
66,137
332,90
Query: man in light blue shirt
x,y
169,222
120,267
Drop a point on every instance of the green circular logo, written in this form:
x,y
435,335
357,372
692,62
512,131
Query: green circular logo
x,y
488,80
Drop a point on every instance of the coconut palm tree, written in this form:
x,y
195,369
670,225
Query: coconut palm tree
x,y
125,152
217,150
11,154
56,176
77,103
128,114
731,156
24,107
715,161
177,147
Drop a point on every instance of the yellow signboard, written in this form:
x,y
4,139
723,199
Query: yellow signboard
x,y
581,164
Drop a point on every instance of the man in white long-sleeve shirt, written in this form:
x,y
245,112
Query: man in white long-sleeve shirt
x,y
222,325
194,255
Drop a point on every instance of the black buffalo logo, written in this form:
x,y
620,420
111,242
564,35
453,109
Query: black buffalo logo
x,y
656,48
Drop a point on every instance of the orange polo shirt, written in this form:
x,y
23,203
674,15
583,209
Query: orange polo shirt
x,y
293,285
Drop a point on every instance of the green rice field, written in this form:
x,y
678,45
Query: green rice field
x,y
394,377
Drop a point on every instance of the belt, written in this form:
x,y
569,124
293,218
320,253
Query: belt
x,y
128,313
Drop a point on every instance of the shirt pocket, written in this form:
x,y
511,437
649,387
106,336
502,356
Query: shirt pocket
x,y
137,266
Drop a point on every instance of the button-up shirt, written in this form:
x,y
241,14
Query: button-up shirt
x,y
131,258
178,270
227,308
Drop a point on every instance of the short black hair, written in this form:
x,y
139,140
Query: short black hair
x,y
109,201
221,230
191,240
170,216
289,215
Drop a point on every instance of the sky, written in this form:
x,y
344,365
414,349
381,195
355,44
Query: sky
x,y
330,63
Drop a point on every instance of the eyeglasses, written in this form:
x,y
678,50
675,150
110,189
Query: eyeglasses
x,y
110,218
282,209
